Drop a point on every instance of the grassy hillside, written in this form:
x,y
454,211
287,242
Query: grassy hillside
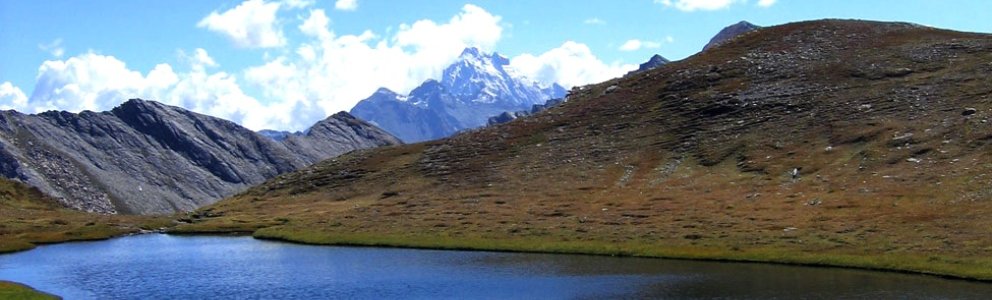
x,y
830,142
28,218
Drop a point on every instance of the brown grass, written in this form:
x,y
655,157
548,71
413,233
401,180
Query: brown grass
x,y
674,164
28,218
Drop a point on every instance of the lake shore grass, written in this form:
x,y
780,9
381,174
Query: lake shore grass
x,y
13,290
971,268
49,227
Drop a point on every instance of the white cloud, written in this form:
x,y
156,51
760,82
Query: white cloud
x,y
349,5
198,58
570,64
316,25
11,97
594,21
635,44
438,44
766,3
331,72
98,82
323,74
693,5
54,48
251,24
298,3
631,45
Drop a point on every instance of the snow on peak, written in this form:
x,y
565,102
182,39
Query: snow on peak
x,y
488,78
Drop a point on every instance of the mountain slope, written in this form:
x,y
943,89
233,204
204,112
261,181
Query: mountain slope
x,y
831,142
144,157
477,86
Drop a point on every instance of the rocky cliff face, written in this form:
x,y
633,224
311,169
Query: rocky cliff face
x,y
144,157
471,90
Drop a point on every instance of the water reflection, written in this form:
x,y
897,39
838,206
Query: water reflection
x,y
177,267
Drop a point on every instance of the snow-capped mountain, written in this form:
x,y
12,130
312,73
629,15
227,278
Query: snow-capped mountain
x,y
472,89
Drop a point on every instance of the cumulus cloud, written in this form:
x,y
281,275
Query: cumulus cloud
x,y
438,44
766,3
251,24
199,58
594,21
570,64
11,97
635,44
331,73
98,82
349,5
322,74
693,5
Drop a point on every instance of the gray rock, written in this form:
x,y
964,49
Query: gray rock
x,y
513,115
969,111
611,89
144,157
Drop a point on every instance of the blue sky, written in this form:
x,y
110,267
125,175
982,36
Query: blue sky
x,y
286,64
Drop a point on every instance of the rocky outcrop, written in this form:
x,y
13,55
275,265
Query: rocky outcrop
x,y
730,32
144,157
654,62
513,115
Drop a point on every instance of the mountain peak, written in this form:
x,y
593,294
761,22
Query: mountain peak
x,y
655,61
473,88
471,52
730,32
385,91
744,23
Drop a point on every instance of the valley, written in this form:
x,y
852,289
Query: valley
x,y
833,143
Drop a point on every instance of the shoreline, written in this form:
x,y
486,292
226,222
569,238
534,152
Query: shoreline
x,y
16,290
780,257
526,245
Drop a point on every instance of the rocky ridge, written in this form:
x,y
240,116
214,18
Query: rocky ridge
x,y
144,157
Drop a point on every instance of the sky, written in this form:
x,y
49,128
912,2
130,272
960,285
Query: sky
x,y
285,64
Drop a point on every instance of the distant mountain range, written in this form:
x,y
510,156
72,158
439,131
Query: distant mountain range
x,y
144,157
654,62
471,90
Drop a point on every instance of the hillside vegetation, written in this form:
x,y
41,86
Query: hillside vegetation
x,y
834,142
28,218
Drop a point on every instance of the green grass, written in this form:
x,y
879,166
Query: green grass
x,y
15,291
974,268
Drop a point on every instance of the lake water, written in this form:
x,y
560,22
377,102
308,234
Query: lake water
x,y
157,266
